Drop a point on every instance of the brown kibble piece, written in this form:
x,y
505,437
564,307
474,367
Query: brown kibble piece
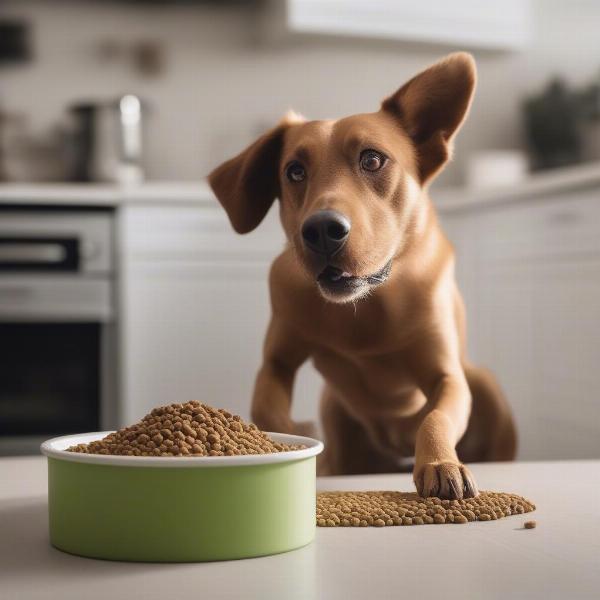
x,y
530,524
379,509
190,429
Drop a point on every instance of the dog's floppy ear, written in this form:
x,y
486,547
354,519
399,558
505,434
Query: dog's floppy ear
x,y
247,184
432,107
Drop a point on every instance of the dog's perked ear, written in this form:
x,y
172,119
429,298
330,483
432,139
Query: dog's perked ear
x,y
432,106
247,184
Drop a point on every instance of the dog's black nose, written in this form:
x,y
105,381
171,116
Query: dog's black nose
x,y
326,231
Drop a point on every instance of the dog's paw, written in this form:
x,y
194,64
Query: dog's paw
x,y
448,480
305,428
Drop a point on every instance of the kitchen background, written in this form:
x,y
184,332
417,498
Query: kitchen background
x,y
121,284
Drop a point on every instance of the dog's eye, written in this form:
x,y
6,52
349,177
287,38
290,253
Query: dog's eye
x,y
370,160
295,172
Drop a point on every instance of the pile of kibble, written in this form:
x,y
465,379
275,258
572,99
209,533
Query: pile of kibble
x,y
190,429
378,509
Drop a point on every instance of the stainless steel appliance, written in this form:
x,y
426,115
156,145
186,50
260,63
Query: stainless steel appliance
x,y
106,142
58,343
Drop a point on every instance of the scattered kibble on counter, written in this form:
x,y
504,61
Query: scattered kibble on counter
x,y
380,509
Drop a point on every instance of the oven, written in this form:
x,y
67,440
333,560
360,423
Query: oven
x,y
58,342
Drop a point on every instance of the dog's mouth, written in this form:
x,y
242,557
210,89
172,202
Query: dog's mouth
x,y
336,282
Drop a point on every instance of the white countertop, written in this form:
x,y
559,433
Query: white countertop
x,y
496,559
538,185
100,194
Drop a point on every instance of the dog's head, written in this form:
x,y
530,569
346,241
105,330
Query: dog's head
x,y
350,190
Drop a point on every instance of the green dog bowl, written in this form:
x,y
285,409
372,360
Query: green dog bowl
x,y
180,509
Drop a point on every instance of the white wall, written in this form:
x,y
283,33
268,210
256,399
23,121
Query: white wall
x,y
221,85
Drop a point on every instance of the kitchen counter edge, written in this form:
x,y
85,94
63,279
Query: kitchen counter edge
x,y
193,193
538,186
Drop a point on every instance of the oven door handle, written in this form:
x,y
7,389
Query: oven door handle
x,y
39,254
28,253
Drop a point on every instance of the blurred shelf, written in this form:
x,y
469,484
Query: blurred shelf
x,y
488,25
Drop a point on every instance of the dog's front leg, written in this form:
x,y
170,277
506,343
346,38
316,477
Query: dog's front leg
x,y
272,398
438,472
283,354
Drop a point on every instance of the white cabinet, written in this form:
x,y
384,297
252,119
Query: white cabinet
x,y
194,309
530,274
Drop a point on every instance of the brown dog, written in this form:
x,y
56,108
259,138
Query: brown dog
x,y
366,286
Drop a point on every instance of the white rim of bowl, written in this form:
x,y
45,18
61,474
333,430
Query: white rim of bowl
x,y
57,448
